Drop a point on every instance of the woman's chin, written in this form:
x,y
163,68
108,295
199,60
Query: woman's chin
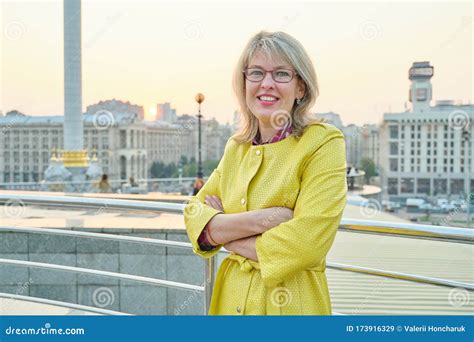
x,y
266,113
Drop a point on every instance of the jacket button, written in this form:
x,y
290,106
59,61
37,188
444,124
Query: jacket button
x,y
238,309
258,152
242,201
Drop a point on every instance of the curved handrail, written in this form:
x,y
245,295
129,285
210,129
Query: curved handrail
x,y
400,276
19,184
167,243
99,236
443,233
62,304
107,274
88,202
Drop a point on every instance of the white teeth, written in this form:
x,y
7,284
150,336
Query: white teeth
x,y
268,98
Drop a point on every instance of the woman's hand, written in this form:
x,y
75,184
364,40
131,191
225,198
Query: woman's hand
x,y
244,247
214,202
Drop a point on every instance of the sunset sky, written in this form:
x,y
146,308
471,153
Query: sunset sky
x,y
149,52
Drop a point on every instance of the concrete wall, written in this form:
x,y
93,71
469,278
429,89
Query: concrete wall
x,y
174,264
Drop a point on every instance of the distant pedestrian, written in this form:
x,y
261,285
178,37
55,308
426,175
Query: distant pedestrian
x,y
104,186
198,184
132,182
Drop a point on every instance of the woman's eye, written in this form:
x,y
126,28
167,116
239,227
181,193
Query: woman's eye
x,y
282,73
256,72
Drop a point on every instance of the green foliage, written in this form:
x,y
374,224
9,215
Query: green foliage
x,y
189,168
369,168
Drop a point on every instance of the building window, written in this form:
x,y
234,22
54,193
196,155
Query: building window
x,y
393,186
423,186
440,186
123,138
393,164
394,148
393,132
407,185
457,186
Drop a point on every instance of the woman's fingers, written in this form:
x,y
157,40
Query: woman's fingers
x,y
219,203
214,202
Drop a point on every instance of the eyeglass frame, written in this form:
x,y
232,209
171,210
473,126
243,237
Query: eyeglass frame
x,y
293,73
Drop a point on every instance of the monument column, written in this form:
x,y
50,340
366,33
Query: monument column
x,y
74,156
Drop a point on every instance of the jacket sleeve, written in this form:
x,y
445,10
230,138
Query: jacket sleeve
x,y
304,241
197,214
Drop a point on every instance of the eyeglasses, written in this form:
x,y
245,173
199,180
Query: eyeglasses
x,y
280,75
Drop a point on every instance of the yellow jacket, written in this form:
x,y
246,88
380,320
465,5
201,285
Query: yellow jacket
x,y
307,175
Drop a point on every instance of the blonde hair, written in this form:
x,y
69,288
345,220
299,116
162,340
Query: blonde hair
x,y
282,45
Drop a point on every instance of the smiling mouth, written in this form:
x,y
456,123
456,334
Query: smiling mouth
x,y
266,98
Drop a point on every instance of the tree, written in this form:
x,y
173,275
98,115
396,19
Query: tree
x,y
184,160
368,166
208,166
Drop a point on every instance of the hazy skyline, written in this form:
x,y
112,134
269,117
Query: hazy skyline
x,y
153,52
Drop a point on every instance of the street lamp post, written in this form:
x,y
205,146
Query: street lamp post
x,y
466,137
199,99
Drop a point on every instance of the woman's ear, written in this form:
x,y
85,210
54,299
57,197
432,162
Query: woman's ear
x,y
301,89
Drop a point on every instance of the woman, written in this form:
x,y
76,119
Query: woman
x,y
104,185
277,196
198,184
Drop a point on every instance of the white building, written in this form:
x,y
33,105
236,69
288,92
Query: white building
x,y
164,112
125,145
330,118
370,143
117,106
427,151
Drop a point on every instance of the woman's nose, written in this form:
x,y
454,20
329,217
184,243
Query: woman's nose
x,y
267,81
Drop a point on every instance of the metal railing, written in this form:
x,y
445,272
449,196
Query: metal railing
x,y
148,184
441,233
113,275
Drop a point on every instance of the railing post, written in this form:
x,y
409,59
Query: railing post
x,y
209,282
